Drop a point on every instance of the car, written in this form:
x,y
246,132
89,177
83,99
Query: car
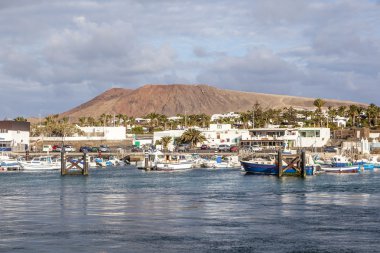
x,y
224,147
69,148
234,149
104,148
136,149
330,149
56,148
183,147
205,147
85,149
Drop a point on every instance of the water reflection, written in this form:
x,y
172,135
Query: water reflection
x,y
202,210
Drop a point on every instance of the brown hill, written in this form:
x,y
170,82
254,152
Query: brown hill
x,y
190,99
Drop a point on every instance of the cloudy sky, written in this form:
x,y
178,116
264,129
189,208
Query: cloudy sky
x,y
55,55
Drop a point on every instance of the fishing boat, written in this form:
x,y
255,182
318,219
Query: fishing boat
x,y
8,163
268,166
221,162
173,163
341,164
41,163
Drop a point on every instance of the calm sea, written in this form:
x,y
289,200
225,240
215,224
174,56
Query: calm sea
x,y
128,210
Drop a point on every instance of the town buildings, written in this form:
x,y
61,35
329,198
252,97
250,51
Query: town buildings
x,y
14,135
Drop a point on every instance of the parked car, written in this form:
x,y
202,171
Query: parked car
x,y
85,149
205,147
183,147
69,148
224,147
136,149
234,148
104,148
56,148
256,148
330,149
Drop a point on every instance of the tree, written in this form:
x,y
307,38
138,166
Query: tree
x,y
19,118
245,118
165,141
353,112
192,136
319,103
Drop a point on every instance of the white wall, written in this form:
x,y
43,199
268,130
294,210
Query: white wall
x,y
109,133
17,139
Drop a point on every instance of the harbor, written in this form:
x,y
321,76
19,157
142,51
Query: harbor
x,y
202,210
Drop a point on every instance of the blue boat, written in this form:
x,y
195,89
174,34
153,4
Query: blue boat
x,y
270,168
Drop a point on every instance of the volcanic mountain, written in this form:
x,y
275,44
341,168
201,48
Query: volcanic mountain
x,y
176,99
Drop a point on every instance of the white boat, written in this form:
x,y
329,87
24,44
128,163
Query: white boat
x,y
219,162
173,166
174,163
41,163
340,164
7,163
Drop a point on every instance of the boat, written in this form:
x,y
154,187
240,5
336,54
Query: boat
x,y
7,163
173,163
41,163
268,166
341,164
219,161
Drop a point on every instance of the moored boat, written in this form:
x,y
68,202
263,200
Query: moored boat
x,y
341,164
269,167
41,163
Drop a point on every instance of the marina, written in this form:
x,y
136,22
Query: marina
x,y
202,210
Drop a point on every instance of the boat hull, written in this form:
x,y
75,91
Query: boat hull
x,y
270,169
340,170
173,166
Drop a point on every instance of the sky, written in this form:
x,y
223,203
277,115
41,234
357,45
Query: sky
x,y
56,55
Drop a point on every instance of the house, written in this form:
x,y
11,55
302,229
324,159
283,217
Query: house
x,y
340,121
287,137
215,135
14,135
234,115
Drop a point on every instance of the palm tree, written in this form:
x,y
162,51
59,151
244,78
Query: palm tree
x,y
352,112
342,110
82,121
245,118
371,113
319,103
193,136
165,141
332,113
19,118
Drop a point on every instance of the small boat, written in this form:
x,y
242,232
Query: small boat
x,y
221,162
268,166
7,163
173,163
341,164
41,163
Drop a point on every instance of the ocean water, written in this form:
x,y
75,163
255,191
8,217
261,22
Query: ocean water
x,y
129,210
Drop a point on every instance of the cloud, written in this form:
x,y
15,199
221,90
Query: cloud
x,y
308,48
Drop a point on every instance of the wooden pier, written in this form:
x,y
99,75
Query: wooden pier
x,y
296,162
77,167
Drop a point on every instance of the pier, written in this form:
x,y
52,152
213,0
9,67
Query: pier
x,y
75,167
296,162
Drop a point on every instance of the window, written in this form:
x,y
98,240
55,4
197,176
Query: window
x,y
317,133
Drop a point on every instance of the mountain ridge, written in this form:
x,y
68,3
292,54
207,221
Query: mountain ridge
x,y
173,99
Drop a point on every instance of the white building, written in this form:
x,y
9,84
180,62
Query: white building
x,y
218,134
105,133
215,117
287,137
215,135
14,135
340,121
